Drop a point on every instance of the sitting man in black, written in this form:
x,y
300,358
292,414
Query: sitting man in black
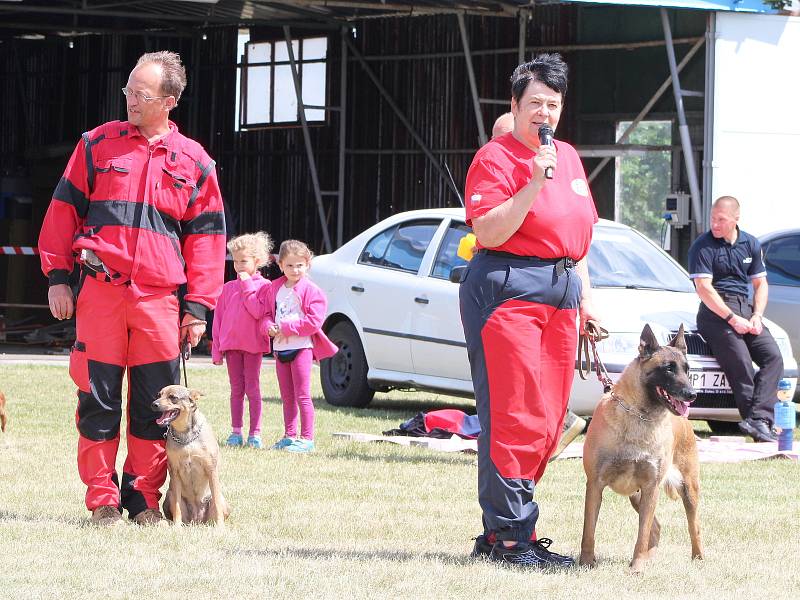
x,y
723,262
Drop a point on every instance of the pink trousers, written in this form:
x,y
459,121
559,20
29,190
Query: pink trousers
x,y
294,380
244,369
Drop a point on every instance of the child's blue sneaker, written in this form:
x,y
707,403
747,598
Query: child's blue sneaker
x,y
254,441
301,445
234,439
282,444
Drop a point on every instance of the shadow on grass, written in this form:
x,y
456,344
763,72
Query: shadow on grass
x,y
72,521
427,457
358,555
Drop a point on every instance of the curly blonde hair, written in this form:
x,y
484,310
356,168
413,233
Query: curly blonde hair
x,y
294,247
258,245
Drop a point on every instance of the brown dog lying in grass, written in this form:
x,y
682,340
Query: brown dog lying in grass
x,y
3,415
639,440
194,494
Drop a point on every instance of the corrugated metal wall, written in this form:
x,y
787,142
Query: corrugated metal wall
x,y
51,93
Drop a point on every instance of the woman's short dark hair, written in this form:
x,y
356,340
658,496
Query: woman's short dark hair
x,y
549,69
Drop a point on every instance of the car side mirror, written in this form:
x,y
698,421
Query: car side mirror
x,y
456,273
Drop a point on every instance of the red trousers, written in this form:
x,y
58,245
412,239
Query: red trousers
x,y
117,331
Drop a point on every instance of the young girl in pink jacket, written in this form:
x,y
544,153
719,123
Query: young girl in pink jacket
x,y
236,336
291,311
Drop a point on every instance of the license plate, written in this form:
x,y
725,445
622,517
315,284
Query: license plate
x,y
709,381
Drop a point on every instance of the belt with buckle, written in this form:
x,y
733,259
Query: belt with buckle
x,y
561,264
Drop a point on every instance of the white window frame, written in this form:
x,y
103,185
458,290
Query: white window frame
x,y
266,94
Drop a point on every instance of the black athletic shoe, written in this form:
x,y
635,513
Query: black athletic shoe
x,y
758,430
531,554
482,548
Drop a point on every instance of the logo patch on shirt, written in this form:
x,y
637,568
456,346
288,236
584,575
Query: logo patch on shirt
x,y
475,198
748,260
580,187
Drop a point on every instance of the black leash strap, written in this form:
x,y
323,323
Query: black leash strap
x,y
593,334
186,348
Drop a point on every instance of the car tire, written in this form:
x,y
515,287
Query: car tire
x,y
344,375
724,427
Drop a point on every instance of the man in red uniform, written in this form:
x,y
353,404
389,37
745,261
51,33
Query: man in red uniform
x,y
140,210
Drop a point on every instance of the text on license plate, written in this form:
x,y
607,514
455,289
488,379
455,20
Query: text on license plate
x,y
709,381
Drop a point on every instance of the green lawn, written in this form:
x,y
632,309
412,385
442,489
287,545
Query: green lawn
x,y
359,520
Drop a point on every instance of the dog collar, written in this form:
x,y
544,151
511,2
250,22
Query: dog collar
x,y
178,440
629,409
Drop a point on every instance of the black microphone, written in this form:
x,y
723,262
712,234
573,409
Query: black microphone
x,y
546,139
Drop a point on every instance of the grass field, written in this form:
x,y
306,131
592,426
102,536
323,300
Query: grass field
x,y
361,520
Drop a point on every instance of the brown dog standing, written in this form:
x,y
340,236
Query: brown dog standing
x,y
639,440
194,494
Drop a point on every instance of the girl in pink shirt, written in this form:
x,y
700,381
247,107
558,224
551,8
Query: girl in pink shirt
x,y
236,336
292,310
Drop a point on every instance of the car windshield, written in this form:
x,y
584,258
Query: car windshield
x,y
622,258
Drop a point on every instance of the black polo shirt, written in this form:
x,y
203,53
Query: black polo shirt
x,y
731,267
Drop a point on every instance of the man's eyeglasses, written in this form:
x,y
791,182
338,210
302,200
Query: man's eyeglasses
x,y
141,97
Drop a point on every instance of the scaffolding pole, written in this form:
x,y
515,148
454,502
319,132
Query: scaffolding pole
x,y
342,140
647,107
403,119
683,128
312,164
476,104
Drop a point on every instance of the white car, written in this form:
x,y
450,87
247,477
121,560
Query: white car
x,y
393,311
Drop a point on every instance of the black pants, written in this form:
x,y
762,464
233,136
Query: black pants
x,y
754,393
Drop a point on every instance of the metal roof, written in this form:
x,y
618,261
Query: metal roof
x,y
70,17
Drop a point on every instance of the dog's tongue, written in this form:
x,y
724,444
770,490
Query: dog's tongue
x,y
681,407
167,417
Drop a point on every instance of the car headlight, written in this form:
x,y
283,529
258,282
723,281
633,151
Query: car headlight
x,y
620,343
628,343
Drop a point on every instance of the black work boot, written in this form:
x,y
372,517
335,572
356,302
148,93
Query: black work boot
x,y
531,554
758,429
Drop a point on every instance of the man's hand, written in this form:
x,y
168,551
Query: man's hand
x,y
193,332
62,303
756,326
740,325
274,330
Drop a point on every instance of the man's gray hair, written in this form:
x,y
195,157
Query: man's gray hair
x,y
173,74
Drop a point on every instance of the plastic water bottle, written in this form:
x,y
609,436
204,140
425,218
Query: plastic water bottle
x,y
785,415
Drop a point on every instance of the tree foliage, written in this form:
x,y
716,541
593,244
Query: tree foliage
x,y
644,181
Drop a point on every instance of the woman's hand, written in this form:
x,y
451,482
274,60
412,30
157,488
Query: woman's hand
x,y
587,312
545,157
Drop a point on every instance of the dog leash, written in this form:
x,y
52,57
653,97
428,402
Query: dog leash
x,y
593,333
186,348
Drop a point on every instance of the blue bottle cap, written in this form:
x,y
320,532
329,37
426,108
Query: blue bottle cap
x,y
784,384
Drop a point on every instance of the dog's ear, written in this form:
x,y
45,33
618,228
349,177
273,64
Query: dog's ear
x,y
194,396
679,341
648,344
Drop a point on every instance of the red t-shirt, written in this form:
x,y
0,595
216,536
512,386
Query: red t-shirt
x,y
559,223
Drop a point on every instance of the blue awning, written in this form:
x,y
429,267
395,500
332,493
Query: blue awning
x,y
753,6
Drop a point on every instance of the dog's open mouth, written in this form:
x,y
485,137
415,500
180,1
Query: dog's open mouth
x,y
677,406
167,417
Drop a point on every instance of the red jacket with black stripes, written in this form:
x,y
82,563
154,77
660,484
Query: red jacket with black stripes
x,y
151,212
